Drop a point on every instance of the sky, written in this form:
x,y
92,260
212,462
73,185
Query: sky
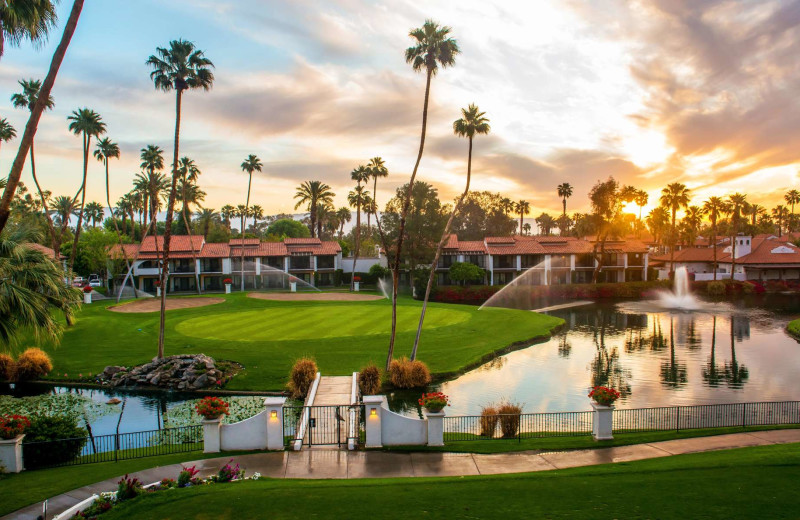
x,y
651,91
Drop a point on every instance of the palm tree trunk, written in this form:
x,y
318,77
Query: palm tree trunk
x,y
520,223
442,242
403,215
116,227
733,248
168,226
86,141
50,227
184,211
244,216
714,239
564,206
672,242
36,113
313,216
357,248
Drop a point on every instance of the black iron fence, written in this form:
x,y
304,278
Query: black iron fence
x,y
322,425
112,448
565,424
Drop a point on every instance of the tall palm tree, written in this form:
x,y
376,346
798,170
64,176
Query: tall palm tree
x,y
27,100
124,209
86,123
190,193
33,120
472,122
522,207
258,214
250,165
227,213
356,199
674,197
205,217
179,67
641,201
433,47
7,132
94,213
152,158
310,194
781,214
755,211
377,168
507,205
325,212
714,207
343,216
564,191
792,197
26,20
690,224
736,203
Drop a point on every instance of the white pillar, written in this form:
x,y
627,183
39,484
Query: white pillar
x,y
258,265
286,264
646,258
373,408
211,435
274,407
435,428
519,263
11,454
490,266
87,297
602,422
548,267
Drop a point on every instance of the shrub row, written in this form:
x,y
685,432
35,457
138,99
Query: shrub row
x,y
31,364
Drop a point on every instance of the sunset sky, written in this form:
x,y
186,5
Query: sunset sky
x,y
653,91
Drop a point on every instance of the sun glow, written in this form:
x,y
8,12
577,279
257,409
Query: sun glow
x,y
646,148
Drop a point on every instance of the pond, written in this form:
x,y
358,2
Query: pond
x,y
727,352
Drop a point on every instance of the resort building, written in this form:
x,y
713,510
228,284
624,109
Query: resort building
x,y
553,260
193,262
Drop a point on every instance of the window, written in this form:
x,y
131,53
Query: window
x,y
533,261
300,262
505,262
445,261
559,261
475,260
325,262
272,261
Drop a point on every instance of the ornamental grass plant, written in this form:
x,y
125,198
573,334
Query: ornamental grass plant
x,y
404,373
32,364
509,417
8,368
369,380
302,376
489,420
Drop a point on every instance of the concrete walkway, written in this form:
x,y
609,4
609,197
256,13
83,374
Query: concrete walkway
x,y
380,464
330,423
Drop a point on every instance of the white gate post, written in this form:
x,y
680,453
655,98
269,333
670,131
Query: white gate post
x,y
11,454
211,435
435,428
373,408
602,422
274,407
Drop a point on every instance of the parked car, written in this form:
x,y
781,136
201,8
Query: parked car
x,y
78,281
95,281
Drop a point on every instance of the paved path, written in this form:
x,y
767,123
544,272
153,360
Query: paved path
x,y
330,427
379,464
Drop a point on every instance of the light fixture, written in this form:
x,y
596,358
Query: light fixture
x,y
273,414
373,412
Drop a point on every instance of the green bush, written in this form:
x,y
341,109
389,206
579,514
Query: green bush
x,y
466,272
794,328
302,377
377,271
715,288
50,441
369,380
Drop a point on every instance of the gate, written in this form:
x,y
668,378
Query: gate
x,y
327,425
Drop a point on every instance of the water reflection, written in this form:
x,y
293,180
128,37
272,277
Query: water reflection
x,y
729,353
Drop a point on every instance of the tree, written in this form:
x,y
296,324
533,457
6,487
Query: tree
x,y
564,223
288,228
606,209
781,214
249,165
356,199
258,214
26,20
205,217
27,100
465,272
377,168
94,213
343,216
714,207
546,224
472,122
87,123
7,132
522,207
226,212
736,203
483,214
674,197
180,67
564,191
33,120
792,197
526,228
641,201
310,194
433,47
690,224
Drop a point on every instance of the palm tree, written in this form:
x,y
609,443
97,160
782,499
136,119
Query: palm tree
x,y
377,168
522,207
343,216
641,201
674,197
507,205
325,213
125,208
33,120
7,131
94,212
87,123
714,207
26,20
781,214
755,211
433,47
205,217
472,122
736,203
691,223
545,222
180,67
227,213
564,191
189,173
27,100
310,194
356,199
792,197
258,214
250,165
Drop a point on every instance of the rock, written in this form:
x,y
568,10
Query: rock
x,y
181,372
113,400
109,371
201,381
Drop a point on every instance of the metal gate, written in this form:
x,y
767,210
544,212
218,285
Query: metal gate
x,y
329,425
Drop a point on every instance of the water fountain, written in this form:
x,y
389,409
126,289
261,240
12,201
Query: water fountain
x,y
278,278
679,297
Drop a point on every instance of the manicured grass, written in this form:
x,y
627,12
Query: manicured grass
x,y
745,483
267,336
794,328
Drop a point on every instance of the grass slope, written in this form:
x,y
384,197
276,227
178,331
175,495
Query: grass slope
x,y
794,328
267,336
745,483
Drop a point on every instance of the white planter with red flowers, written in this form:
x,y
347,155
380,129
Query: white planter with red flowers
x,y
211,409
293,284
87,295
11,435
603,399
228,282
356,283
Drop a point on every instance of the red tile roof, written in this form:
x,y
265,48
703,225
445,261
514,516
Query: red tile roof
x,y
130,250
247,242
262,249
471,246
302,241
765,251
177,243
44,249
694,254
452,242
215,250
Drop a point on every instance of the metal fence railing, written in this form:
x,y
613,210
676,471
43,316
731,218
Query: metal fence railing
x,y
113,447
522,426
324,425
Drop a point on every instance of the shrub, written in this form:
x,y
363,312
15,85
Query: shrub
x,y
509,418
8,368
187,476
128,488
715,288
377,271
211,407
58,439
13,425
302,377
229,473
102,504
404,373
369,380
33,363
489,420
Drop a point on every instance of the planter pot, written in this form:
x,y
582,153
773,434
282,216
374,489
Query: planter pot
x,y
158,292
602,422
11,454
356,286
212,418
293,286
434,409
227,288
87,298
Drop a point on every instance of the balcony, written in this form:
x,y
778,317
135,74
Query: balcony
x,y
211,266
326,262
504,262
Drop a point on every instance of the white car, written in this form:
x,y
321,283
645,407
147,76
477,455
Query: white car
x,y
95,281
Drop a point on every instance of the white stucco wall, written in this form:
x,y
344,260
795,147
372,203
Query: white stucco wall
x,y
362,264
250,434
397,430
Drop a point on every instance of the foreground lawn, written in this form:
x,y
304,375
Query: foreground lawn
x,y
744,483
267,336
794,328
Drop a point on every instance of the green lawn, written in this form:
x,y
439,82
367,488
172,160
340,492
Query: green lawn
x,y
267,336
794,328
745,483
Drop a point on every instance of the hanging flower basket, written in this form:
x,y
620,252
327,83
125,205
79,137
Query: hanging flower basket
x,y
604,396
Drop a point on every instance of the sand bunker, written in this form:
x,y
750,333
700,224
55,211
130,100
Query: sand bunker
x,y
154,304
316,297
